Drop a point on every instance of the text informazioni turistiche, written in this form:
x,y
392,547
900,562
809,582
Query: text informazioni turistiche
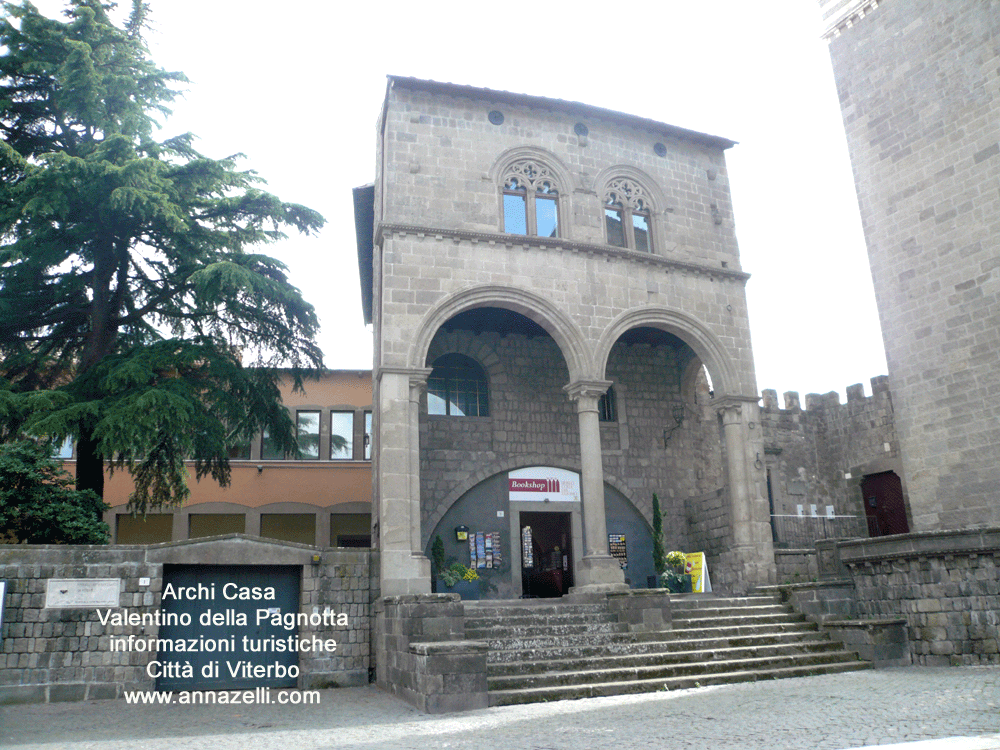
x,y
233,647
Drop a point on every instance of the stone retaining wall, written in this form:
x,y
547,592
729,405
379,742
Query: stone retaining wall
x,y
50,654
945,584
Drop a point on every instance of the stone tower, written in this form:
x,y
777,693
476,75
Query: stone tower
x,y
549,283
919,86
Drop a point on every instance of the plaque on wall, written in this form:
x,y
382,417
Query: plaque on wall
x,y
82,593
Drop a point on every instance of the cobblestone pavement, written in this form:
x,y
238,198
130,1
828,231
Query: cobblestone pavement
x,y
958,707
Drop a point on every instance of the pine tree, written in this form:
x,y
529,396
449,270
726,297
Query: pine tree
x,y
130,294
659,551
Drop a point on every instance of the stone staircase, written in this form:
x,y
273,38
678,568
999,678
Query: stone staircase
x,y
542,650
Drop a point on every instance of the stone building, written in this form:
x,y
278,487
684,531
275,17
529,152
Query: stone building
x,y
561,331
920,95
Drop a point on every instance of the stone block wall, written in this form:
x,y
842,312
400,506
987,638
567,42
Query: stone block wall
x,y
946,585
64,654
49,654
920,98
422,656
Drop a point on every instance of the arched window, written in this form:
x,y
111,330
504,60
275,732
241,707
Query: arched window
x,y
626,215
607,409
530,200
457,387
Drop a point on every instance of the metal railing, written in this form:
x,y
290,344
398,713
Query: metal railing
x,y
801,532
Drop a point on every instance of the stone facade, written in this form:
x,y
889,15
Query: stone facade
x,y
440,253
50,654
920,97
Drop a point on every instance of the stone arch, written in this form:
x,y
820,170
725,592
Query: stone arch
x,y
692,332
562,173
567,335
508,464
657,199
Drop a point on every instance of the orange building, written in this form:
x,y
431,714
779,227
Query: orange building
x,y
322,499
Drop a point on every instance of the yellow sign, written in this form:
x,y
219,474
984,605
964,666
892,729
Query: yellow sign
x,y
697,567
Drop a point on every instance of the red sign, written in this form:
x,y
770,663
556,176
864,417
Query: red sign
x,y
533,485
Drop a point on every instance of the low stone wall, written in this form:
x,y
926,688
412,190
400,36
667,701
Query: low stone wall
x,y
819,601
59,654
796,565
422,655
945,584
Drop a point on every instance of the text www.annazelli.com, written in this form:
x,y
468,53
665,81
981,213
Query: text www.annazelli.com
x,y
224,697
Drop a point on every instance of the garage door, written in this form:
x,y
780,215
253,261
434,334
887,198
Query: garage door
x,y
215,608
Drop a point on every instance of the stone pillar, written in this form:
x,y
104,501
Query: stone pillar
x,y
599,571
404,569
752,554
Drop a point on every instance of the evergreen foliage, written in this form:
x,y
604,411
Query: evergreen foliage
x,y
38,504
659,551
437,555
129,293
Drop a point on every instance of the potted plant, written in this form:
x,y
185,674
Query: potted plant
x,y
458,579
676,580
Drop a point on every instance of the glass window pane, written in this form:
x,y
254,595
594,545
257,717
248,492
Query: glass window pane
x,y
268,450
368,436
437,396
64,449
307,432
547,217
342,435
616,232
515,219
640,225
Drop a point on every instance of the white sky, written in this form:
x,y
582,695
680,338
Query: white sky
x,y
297,86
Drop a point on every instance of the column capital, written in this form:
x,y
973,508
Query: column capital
x,y
582,391
416,375
731,407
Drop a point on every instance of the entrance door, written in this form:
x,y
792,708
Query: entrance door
x,y
546,554
884,505
224,664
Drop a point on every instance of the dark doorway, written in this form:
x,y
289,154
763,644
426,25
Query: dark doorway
x,y
213,599
546,554
884,504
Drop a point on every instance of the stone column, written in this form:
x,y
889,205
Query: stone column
x,y
404,569
752,554
599,571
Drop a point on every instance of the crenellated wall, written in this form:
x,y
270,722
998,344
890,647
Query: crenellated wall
x,y
818,456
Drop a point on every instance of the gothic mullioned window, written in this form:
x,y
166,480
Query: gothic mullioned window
x,y
530,200
626,215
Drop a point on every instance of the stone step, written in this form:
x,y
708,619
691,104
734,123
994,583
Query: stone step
x,y
711,601
732,631
604,688
555,641
606,661
722,611
647,672
536,620
739,619
651,647
526,607
505,632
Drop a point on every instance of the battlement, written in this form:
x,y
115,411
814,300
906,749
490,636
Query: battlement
x,y
817,401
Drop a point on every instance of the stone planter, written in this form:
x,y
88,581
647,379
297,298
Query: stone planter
x,y
468,590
